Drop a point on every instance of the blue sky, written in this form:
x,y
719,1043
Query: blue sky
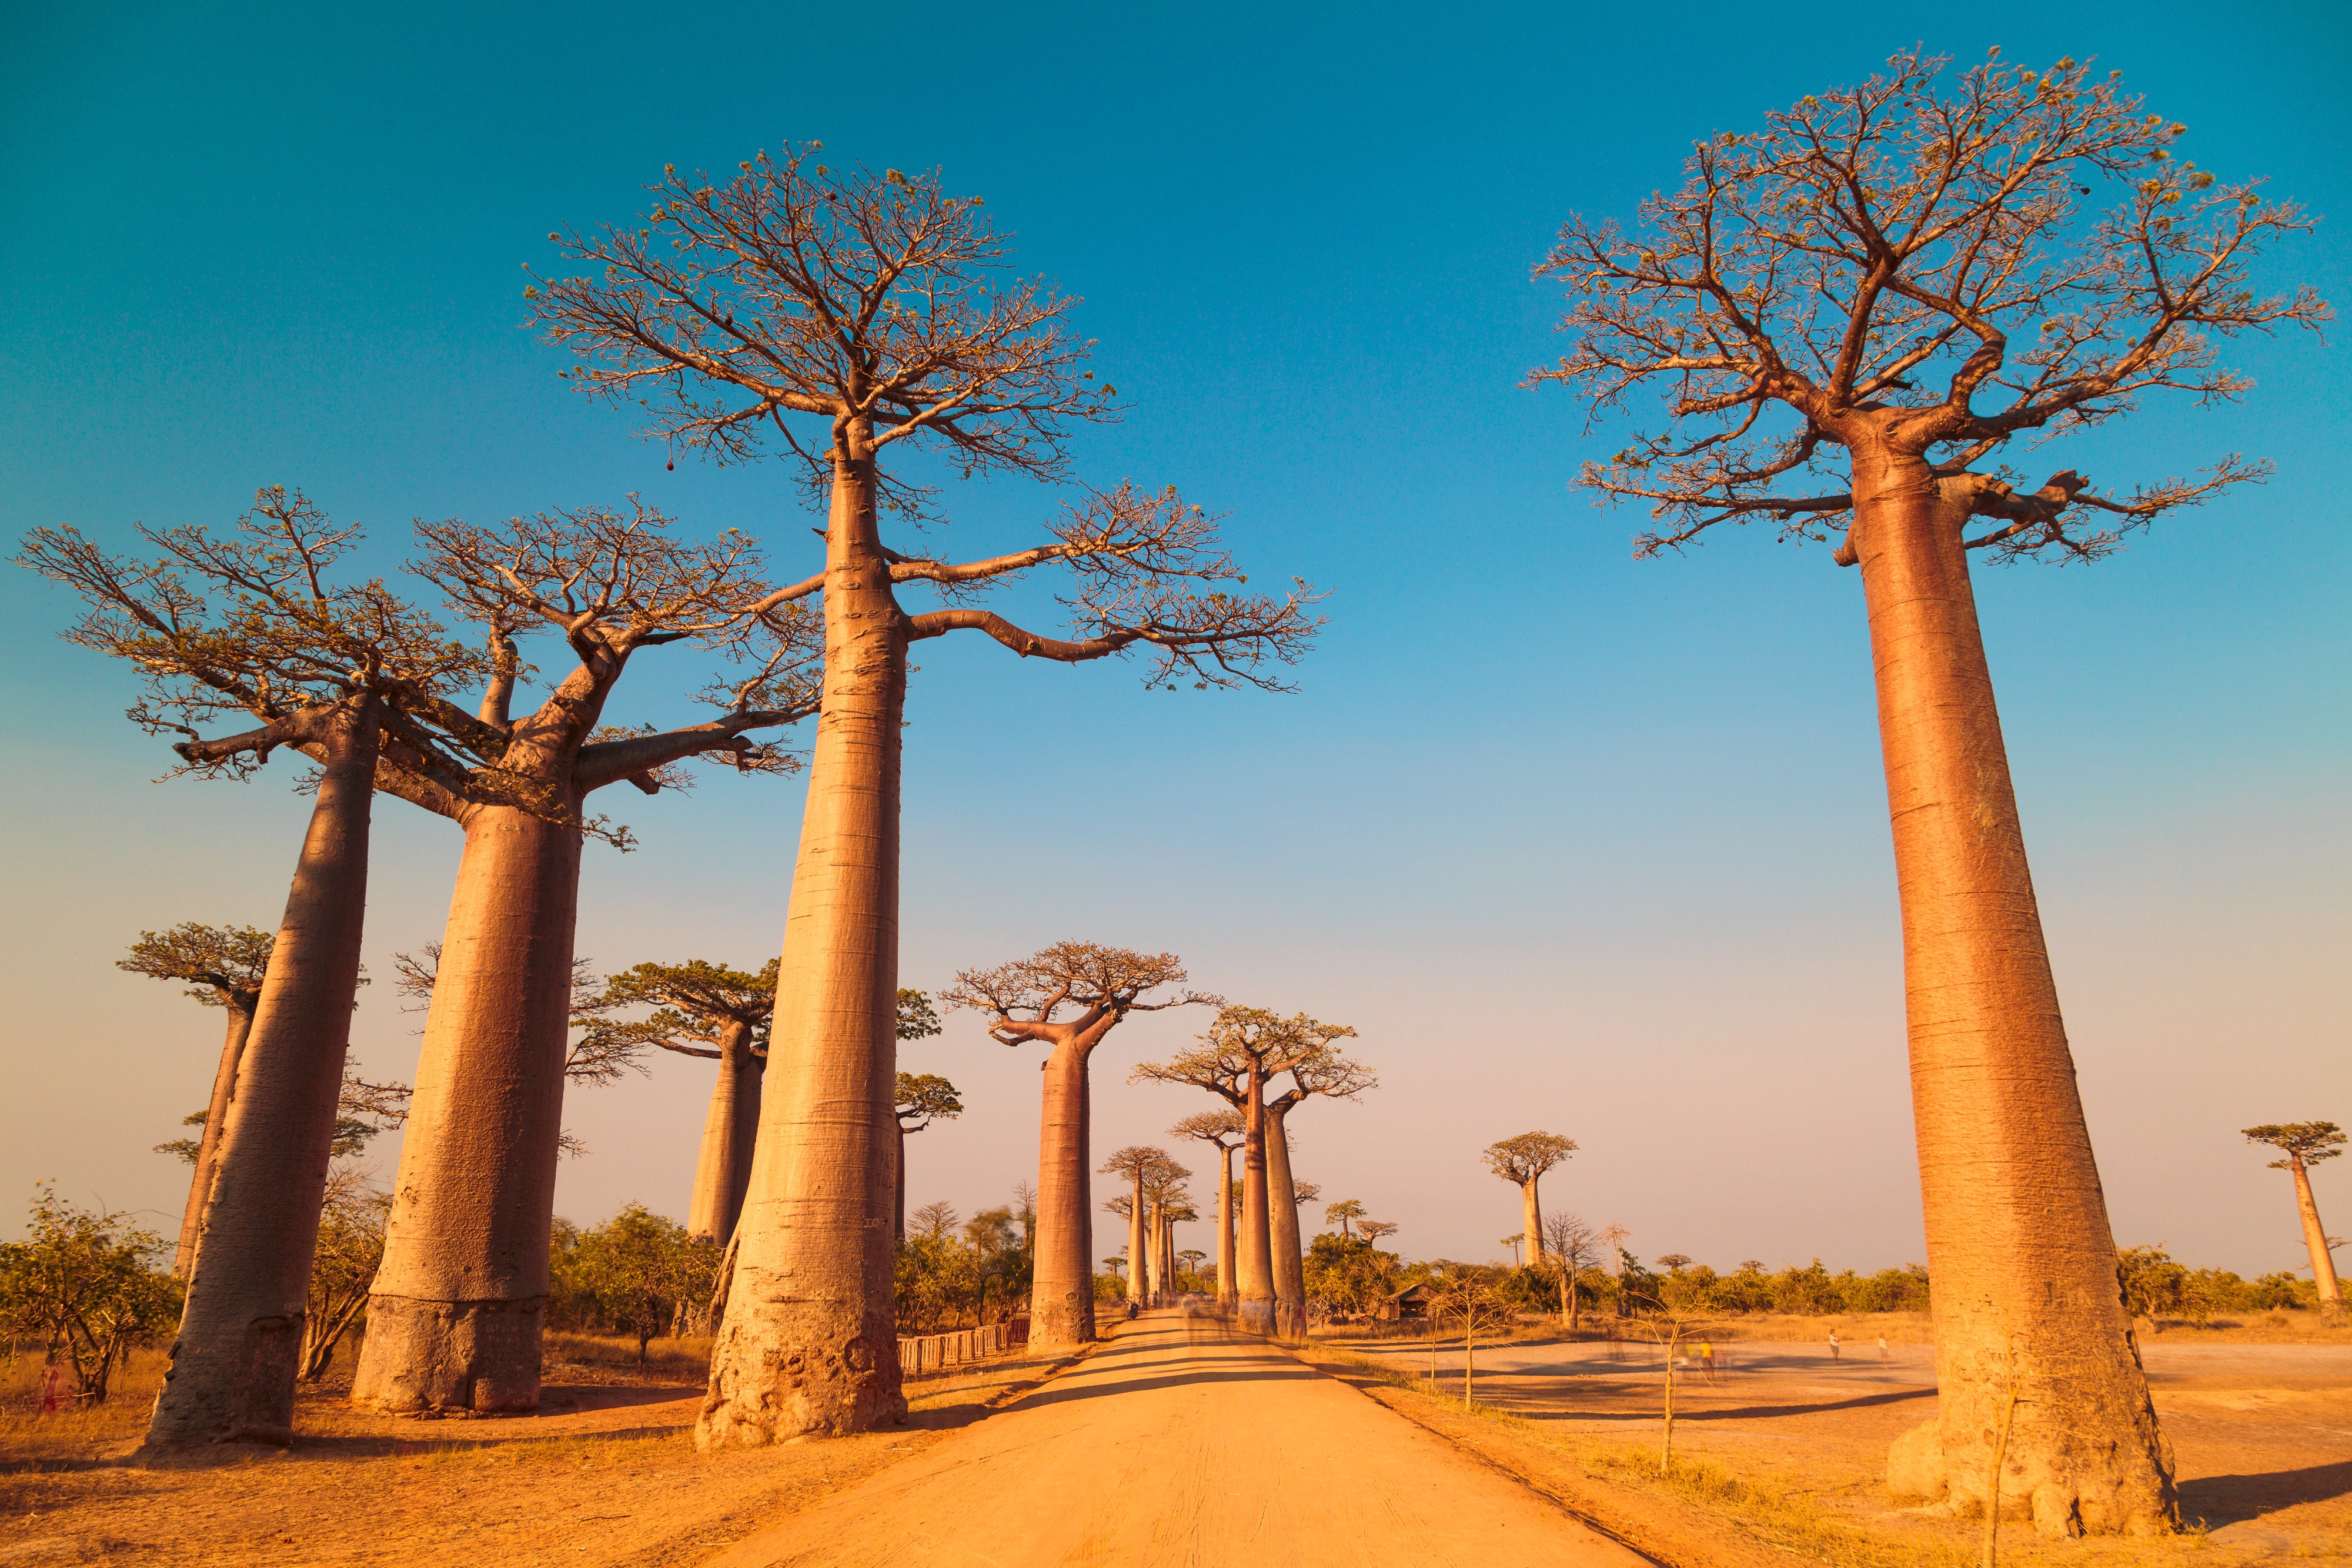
x,y
1576,842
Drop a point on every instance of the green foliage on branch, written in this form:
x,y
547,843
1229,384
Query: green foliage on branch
x,y
948,1279
84,1282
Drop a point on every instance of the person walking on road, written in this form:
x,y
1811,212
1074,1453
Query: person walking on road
x,y
1881,1350
1834,1344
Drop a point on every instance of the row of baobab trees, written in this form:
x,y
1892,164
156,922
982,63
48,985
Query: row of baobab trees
x,y
1887,285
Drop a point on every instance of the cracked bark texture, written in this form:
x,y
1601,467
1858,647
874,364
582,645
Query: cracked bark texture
x,y
2019,1244
235,1362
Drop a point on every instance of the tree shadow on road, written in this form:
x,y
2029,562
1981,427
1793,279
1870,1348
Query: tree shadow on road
x,y
2230,1499
1064,1394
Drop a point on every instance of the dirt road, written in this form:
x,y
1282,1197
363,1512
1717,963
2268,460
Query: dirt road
x,y
1179,1442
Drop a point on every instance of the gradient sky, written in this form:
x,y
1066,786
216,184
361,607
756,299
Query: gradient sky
x,y
1576,842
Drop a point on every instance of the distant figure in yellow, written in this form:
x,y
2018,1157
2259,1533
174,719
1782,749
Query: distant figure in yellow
x,y
1834,1344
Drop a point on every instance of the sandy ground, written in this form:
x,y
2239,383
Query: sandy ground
x,y
2261,1433
1180,1442
607,1474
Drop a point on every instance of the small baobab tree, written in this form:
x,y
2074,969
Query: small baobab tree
x,y
251,622
1343,1214
1522,1161
1069,996
853,318
455,1320
1891,285
2303,1145
1375,1231
1243,1049
223,967
1222,1131
705,1010
922,1098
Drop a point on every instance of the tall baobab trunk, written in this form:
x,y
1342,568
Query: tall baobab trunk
x,y
1062,1281
454,1317
1282,1228
2018,1238
1254,1269
200,1185
1226,1296
1137,1265
238,1352
810,1344
728,1133
2323,1265
1531,1210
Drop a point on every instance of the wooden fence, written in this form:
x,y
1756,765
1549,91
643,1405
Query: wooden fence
x,y
938,1352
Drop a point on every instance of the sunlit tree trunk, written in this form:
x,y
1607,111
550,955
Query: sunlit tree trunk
x,y
455,1316
729,1135
200,1186
1253,1276
1282,1230
1226,1293
2323,1264
1531,1208
238,1352
810,1344
1136,1266
1062,1286
2018,1236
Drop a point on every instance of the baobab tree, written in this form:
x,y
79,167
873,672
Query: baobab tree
x,y
1889,285
1243,1049
1375,1231
250,623
1069,996
1144,1167
1343,1213
879,310
1323,1072
453,1321
705,1010
921,1098
2305,1144
223,967
1222,1131
1522,1161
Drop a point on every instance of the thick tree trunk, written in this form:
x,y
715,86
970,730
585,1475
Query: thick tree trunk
x,y
1253,1276
454,1317
811,1341
1062,1281
898,1185
729,1135
239,1348
1226,1296
1137,1267
1531,1213
2323,1265
200,1184
2018,1238
1282,1230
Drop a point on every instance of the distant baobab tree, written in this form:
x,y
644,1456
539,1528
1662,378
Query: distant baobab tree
x,y
876,314
1222,1131
252,622
1515,1241
920,1098
1673,1262
454,1320
1888,286
1143,1166
1069,996
1522,1161
2305,1144
223,966
1324,1072
1242,1050
1343,1214
1375,1231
